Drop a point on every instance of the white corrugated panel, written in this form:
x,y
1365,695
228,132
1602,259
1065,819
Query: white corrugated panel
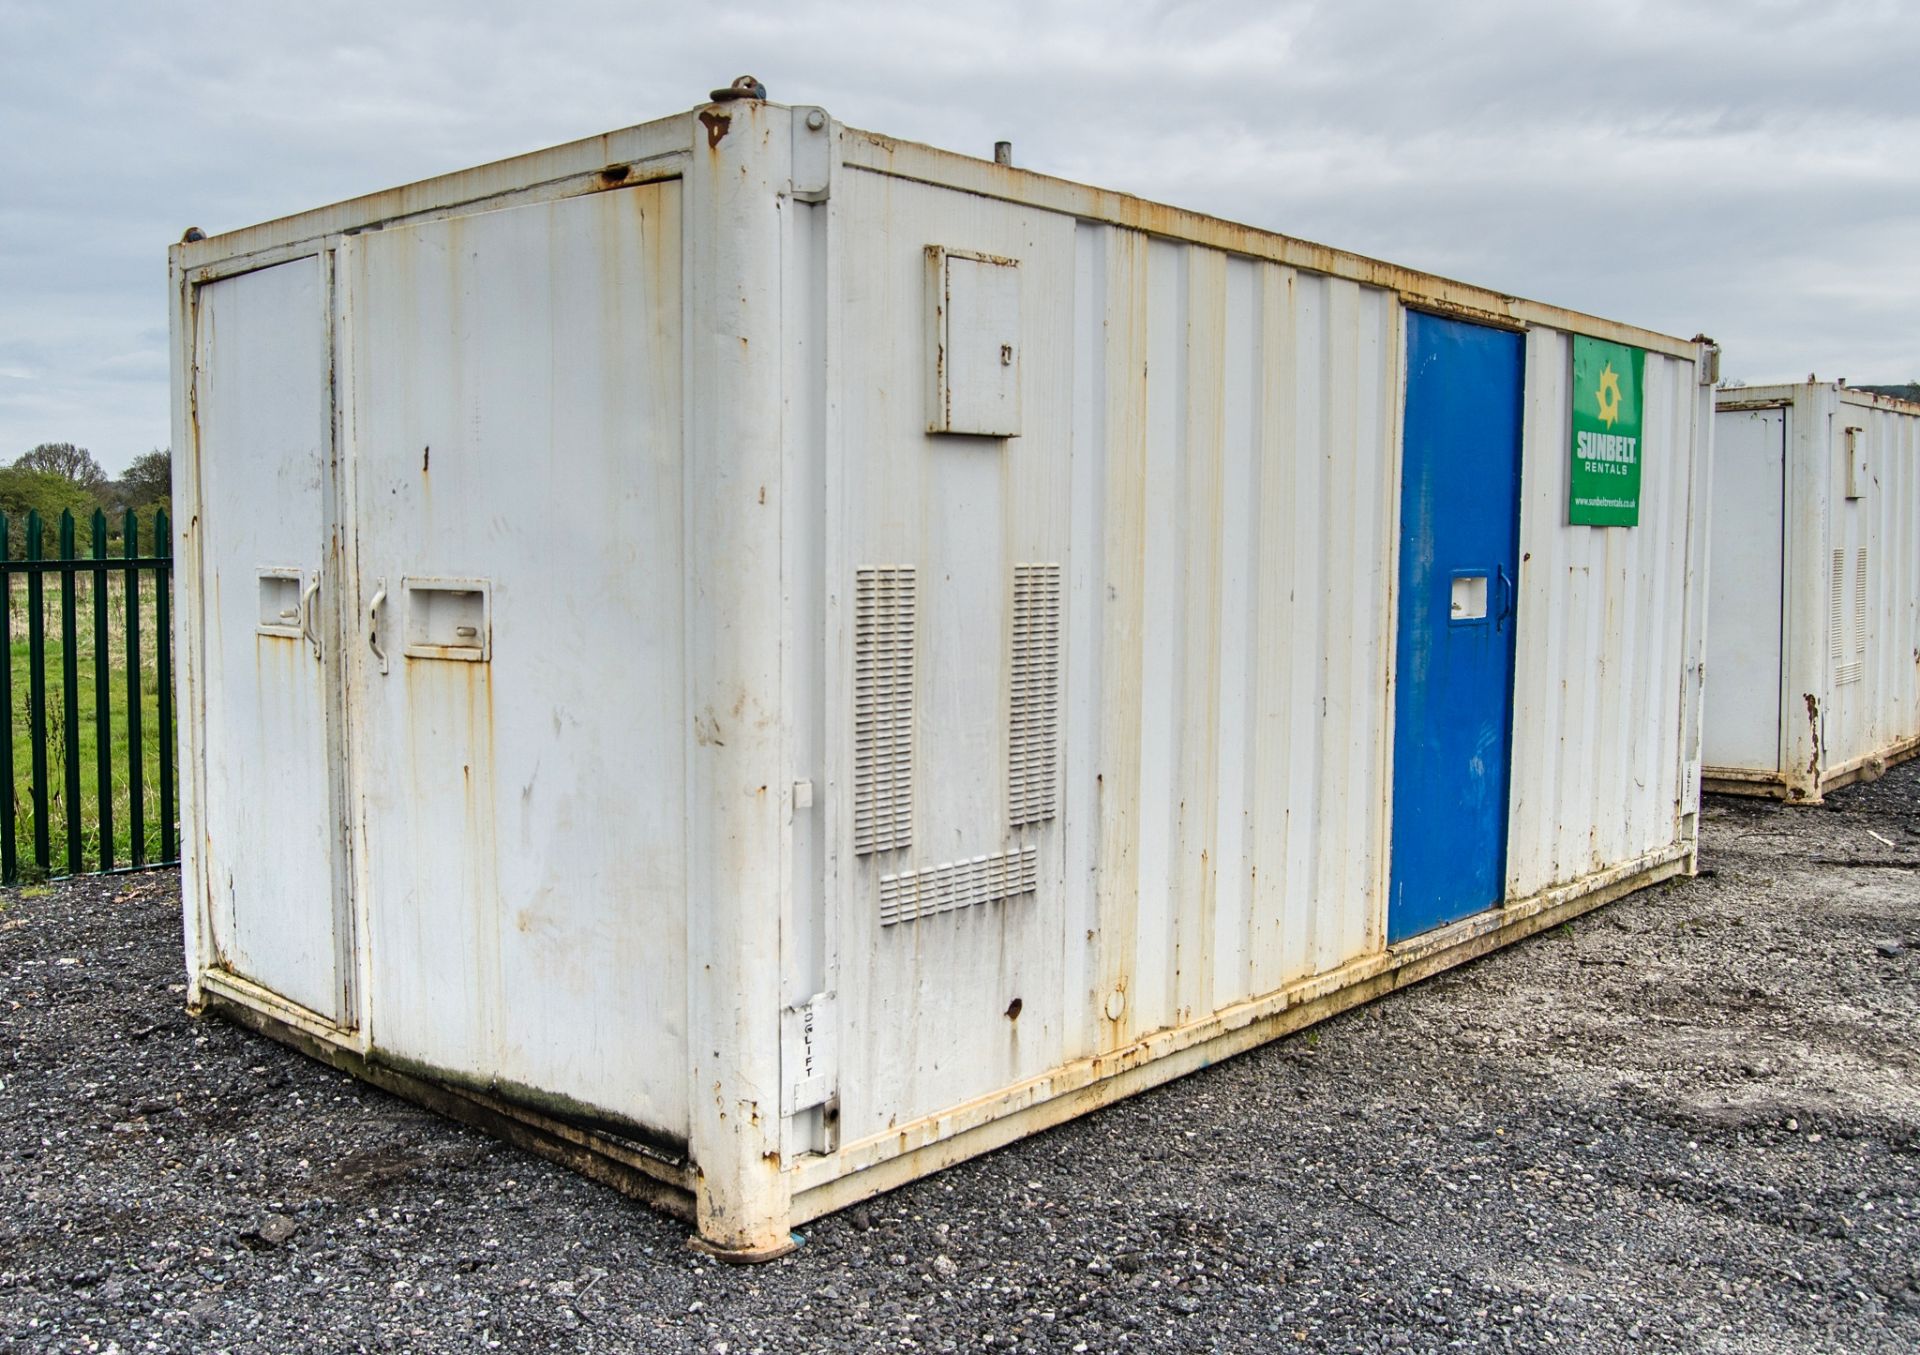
x,y
1845,617
1598,763
1207,455
1229,659
1215,471
1873,645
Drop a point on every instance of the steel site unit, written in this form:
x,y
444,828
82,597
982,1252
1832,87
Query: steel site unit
x,y
1814,621
764,660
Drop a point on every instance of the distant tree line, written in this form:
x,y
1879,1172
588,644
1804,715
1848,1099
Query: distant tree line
x,y
58,477
1910,391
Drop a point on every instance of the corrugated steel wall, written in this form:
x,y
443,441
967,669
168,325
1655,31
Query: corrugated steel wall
x,y
1234,428
1848,618
1879,630
1597,758
1210,449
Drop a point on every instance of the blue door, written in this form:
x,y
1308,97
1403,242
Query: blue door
x,y
1453,692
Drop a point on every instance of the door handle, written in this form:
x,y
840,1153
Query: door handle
x,y
307,627
1505,584
373,623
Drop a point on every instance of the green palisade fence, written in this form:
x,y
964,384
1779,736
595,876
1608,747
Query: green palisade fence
x,y
86,766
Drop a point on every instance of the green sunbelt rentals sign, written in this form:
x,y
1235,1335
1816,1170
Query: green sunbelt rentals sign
x,y
1607,389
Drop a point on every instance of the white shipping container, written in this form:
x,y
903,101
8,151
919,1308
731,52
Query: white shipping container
x,y
763,661
1814,635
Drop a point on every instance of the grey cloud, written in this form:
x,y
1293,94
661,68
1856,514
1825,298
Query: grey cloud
x,y
1744,169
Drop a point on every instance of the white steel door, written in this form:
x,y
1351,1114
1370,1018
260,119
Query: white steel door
x,y
517,682
1741,725
270,840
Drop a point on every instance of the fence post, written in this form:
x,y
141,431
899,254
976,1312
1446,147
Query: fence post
x,y
70,693
102,691
136,757
9,848
163,673
37,688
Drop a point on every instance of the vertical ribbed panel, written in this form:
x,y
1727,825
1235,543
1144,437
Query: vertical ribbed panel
x,y
1846,669
1218,482
1600,687
883,708
1872,637
1235,426
1836,604
1034,720
1860,607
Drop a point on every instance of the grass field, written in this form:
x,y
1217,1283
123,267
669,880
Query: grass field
x,y
83,737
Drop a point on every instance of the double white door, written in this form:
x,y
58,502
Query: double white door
x,y
438,507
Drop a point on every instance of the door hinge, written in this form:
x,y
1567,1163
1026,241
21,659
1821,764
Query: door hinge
x,y
812,155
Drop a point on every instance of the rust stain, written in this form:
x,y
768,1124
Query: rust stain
x,y
717,125
426,457
614,174
1013,1009
1813,721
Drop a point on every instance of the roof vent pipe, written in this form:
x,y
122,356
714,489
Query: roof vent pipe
x,y
1003,153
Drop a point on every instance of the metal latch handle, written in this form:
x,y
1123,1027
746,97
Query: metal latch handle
x,y
307,627
373,624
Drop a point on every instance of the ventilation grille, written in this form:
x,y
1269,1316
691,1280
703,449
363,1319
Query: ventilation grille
x,y
958,884
882,709
1034,724
1860,604
1849,661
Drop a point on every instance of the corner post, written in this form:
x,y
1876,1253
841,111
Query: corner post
x,y
737,180
1693,678
197,942
1803,754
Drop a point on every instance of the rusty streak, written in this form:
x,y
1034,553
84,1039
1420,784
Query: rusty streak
x,y
717,125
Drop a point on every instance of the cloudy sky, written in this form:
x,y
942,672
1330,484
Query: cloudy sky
x,y
1750,169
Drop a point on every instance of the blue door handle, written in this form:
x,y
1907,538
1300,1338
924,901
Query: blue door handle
x,y
1506,596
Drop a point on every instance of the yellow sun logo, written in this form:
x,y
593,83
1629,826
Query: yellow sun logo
x,y
1608,395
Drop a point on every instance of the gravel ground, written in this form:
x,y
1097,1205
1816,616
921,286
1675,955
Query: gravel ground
x,y
1690,1121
